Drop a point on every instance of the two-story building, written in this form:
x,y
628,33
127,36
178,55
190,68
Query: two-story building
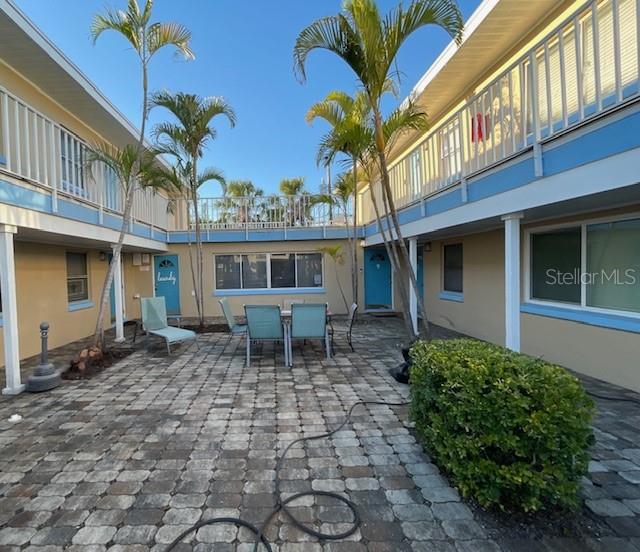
x,y
59,219
521,204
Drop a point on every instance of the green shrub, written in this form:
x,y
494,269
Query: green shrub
x,y
509,430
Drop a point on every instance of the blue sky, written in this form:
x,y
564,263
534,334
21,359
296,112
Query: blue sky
x,y
243,53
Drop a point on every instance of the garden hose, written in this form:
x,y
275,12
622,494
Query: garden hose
x,y
282,505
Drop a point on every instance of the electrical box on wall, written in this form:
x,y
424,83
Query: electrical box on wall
x,y
137,259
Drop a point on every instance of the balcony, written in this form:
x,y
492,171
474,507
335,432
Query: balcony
x,y
584,68
49,161
273,217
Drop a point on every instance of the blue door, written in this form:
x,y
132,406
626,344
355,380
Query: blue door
x,y
377,279
167,281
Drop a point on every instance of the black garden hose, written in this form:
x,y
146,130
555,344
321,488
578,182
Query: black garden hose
x,y
282,505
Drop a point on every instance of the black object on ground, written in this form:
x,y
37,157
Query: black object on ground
x,y
282,505
401,373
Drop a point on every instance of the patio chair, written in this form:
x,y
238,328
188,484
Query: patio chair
x,y
234,328
309,321
154,322
351,318
264,323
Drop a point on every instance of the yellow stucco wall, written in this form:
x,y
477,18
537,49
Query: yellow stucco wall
x,y
482,312
603,353
212,307
41,286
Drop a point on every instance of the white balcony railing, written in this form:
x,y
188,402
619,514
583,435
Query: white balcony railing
x,y
587,65
39,151
268,212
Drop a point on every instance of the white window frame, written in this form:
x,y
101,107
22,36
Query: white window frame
x,y
442,272
86,277
269,289
582,224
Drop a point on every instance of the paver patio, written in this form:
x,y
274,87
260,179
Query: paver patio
x,y
130,458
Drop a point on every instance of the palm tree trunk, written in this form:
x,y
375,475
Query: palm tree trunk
x,y
393,215
189,249
388,245
344,299
354,241
98,336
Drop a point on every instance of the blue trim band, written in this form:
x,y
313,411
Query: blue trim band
x,y
451,296
603,320
266,291
80,305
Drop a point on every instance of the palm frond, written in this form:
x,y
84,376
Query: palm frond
x,y
334,34
209,174
327,110
160,35
403,120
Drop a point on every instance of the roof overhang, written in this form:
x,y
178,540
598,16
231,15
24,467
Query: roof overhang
x,y
27,50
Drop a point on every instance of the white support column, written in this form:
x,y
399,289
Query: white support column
x,y
413,299
512,280
119,300
9,311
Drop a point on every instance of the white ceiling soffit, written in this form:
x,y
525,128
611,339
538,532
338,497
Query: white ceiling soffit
x,y
26,49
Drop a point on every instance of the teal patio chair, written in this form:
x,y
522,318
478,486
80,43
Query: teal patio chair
x,y
234,328
309,321
154,322
264,323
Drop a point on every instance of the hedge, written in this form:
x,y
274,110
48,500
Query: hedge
x,y
509,430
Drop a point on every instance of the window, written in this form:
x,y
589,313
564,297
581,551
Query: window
x,y
228,272
309,269
594,265
555,265
77,277
283,271
613,265
268,271
452,273
254,271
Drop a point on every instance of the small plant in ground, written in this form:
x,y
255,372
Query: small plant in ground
x,y
511,431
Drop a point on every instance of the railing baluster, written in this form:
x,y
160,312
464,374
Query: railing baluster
x,y
537,153
638,43
596,54
577,29
16,115
512,122
6,139
502,121
547,91
615,12
563,79
524,103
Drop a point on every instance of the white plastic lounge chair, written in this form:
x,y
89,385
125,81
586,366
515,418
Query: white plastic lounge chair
x,y
154,322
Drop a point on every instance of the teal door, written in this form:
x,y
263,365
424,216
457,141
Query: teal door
x,y
167,281
377,279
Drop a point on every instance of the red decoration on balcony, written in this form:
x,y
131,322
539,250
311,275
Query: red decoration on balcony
x,y
480,128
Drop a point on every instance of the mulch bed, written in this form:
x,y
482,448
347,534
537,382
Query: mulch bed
x,y
92,360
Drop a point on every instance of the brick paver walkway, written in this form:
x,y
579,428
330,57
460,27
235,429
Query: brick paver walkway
x,y
130,458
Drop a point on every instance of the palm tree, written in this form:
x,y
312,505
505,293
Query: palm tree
x,y
369,43
350,136
182,179
241,195
335,252
146,39
186,140
344,190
